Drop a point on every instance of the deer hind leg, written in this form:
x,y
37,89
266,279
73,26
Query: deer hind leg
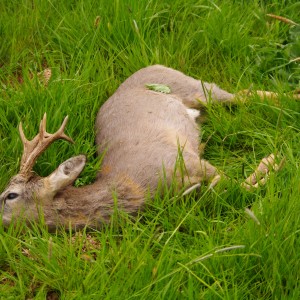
x,y
193,93
204,93
216,94
243,95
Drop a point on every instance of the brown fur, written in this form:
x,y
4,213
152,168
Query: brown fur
x,y
142,133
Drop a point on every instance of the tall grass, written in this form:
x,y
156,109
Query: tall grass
x,y
200,246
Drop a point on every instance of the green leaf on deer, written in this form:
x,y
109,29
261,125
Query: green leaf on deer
x,y
161,88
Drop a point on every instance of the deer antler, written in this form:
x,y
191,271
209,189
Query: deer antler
x,y
35,147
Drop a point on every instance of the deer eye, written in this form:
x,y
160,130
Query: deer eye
x,y
12,196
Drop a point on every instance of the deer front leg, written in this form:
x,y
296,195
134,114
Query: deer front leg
x,y
257,178
209,173
261,173
206,172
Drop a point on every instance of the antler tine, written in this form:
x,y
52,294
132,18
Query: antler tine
x,y
43,126
61,130
22,135
33,149
59,133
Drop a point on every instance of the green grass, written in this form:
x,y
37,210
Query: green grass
x,y
176,248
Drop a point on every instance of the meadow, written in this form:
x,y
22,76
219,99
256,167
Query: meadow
x,y
200,246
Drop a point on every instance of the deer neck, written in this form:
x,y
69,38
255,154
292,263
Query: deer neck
x,y
93,205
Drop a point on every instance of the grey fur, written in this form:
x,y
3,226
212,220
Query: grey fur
x,y
141,132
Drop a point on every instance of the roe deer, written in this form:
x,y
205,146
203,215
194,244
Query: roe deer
x,y
141,131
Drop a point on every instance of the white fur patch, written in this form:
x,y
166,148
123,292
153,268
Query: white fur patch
x,y
193,113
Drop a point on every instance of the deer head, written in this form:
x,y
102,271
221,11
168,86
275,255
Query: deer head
x,y
27,192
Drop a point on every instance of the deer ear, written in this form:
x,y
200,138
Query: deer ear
x,y
66,173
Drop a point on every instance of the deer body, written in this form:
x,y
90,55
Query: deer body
x,y
141,132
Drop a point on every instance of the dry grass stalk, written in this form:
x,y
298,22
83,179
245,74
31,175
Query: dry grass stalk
x,y
282,19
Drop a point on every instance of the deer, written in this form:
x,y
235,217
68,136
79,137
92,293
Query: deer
x,y
140,130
